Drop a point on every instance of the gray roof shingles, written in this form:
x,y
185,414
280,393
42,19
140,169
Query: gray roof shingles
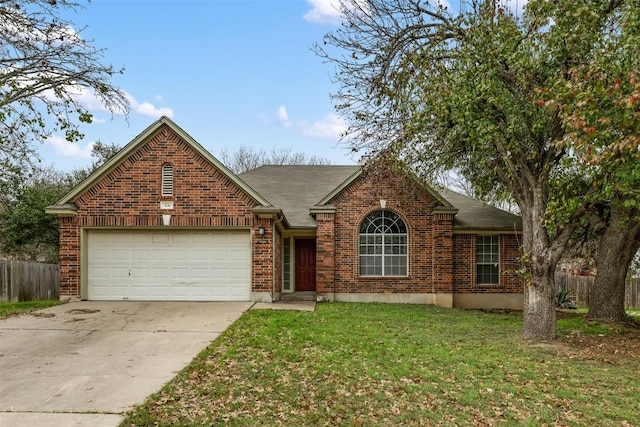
x,y
295,189
476,215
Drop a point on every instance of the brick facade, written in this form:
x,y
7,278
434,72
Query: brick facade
x,y
464,272
430,240
129,197
441,261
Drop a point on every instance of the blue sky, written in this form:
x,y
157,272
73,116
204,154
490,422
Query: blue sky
x,y
229,72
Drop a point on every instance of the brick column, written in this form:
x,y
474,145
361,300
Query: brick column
x,y
325,254
262,281
443,258
69,259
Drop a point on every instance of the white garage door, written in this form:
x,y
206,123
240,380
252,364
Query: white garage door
x,y
169,265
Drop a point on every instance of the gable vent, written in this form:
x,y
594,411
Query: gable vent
x,y
167,179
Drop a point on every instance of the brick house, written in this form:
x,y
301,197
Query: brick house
x,y
165,220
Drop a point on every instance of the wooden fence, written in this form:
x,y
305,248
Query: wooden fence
x,y
28,281
580,286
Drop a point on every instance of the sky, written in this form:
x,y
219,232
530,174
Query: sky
x,y
228,72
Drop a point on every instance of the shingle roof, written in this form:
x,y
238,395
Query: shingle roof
x,y
296,189
476,215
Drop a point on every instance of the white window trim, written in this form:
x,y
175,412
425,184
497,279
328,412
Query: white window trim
x,y
476,263
382,255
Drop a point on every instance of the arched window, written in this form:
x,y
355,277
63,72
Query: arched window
x,y
167,179
383,245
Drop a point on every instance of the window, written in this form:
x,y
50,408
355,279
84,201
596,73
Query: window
x,y
383,245
286,264
167,179
488,260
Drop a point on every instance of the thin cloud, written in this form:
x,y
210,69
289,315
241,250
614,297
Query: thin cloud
x,y
331,127
283,117
149,110
323,12
328,11
64,148
87,98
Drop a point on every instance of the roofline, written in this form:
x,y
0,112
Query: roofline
x,y
322,209
128,149
68,209
340,187
476,230
271,212
433,193
446,210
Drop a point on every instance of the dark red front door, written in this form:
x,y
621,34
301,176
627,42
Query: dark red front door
x,y
305,265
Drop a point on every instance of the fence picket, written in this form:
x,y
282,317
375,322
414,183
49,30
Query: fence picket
x,y
580,288
28,281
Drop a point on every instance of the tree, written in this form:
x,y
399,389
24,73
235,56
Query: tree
x,y
600,105
245,158
47,71
461,90
26,230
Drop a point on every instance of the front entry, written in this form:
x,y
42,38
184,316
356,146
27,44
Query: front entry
x,y
305,265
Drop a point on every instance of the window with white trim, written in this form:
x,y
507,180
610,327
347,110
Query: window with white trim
x,y
383,245
286,264
488,260
167,179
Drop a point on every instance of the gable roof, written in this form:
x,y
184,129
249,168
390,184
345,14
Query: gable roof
x,y
444,205
65,206
476,215
295,189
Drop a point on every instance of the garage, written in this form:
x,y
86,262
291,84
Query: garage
x,y
171,265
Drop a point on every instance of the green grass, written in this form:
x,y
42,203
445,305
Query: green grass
x,y
383,364
14,308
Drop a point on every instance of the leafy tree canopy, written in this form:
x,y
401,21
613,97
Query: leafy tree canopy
x,y
493,95
49,74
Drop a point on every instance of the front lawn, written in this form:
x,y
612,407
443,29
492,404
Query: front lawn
x,y
384,364
14,308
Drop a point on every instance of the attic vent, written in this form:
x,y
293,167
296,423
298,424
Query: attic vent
x,y
167,179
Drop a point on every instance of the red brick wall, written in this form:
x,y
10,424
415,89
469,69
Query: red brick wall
x,y
360,199
464,271
439,261
325,256
69,257
277,278
262,265
130,195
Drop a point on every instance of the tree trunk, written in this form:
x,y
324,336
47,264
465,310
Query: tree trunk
x,y
617,246
539,308
542,256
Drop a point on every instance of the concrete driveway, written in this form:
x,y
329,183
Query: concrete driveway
x,y
86,363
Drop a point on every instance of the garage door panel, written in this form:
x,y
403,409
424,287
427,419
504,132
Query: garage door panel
x,y
173,265
160,237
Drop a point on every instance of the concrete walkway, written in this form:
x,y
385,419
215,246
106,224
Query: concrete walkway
x,y
286,305
85,363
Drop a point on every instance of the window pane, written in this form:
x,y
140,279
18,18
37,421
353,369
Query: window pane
x,y
383,245
488,259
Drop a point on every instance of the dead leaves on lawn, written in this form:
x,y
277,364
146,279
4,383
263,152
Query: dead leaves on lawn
x,y
267,370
